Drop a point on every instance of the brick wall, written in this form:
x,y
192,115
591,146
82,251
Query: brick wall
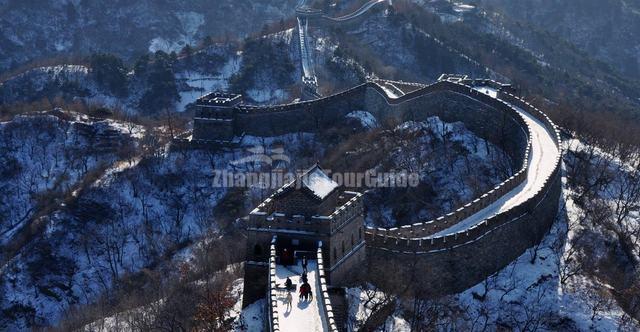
x,y
449,268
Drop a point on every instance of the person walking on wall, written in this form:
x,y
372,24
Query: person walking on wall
x,y
286,258
304,263
288,284
288,301
303,293
307,289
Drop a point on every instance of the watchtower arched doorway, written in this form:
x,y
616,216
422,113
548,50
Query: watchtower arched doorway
x,y
257,250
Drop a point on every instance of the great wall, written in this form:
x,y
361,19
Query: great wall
x,y
447,254
442,256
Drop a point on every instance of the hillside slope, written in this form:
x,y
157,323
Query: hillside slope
x,y
31,30
609,29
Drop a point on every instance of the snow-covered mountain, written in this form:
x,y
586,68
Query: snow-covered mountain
x,y
220,66
103,227
609,30
33,30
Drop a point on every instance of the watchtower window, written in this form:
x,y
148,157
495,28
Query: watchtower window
x,y
360,233
335,254
257,250
352,241
343,247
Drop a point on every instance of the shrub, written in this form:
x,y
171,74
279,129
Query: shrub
x,y
110,73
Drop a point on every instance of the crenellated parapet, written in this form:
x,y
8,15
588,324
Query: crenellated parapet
x,y
325,302
424,229
272,296
264,217
390,239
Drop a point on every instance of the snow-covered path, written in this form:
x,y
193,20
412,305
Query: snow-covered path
x,y
308,69
304,315
541,162
358,12
391,90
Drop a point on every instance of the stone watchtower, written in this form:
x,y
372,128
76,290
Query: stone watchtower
x,y
214,119
310,209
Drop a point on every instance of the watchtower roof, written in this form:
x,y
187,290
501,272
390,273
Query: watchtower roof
x,y
314,181
220,99
455,78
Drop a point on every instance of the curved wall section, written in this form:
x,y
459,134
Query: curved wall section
x,y
466,253
461,259
456,262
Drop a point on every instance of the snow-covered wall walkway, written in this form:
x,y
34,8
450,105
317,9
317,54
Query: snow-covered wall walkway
x,y
303,315
542,158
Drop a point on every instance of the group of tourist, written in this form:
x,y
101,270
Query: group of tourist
x,y
306,294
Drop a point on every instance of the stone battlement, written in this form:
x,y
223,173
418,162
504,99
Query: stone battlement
x,y
262,217
219,99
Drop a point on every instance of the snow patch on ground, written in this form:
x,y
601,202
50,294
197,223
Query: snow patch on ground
x,y
267,95
357,298
190,23
253,317
366,119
